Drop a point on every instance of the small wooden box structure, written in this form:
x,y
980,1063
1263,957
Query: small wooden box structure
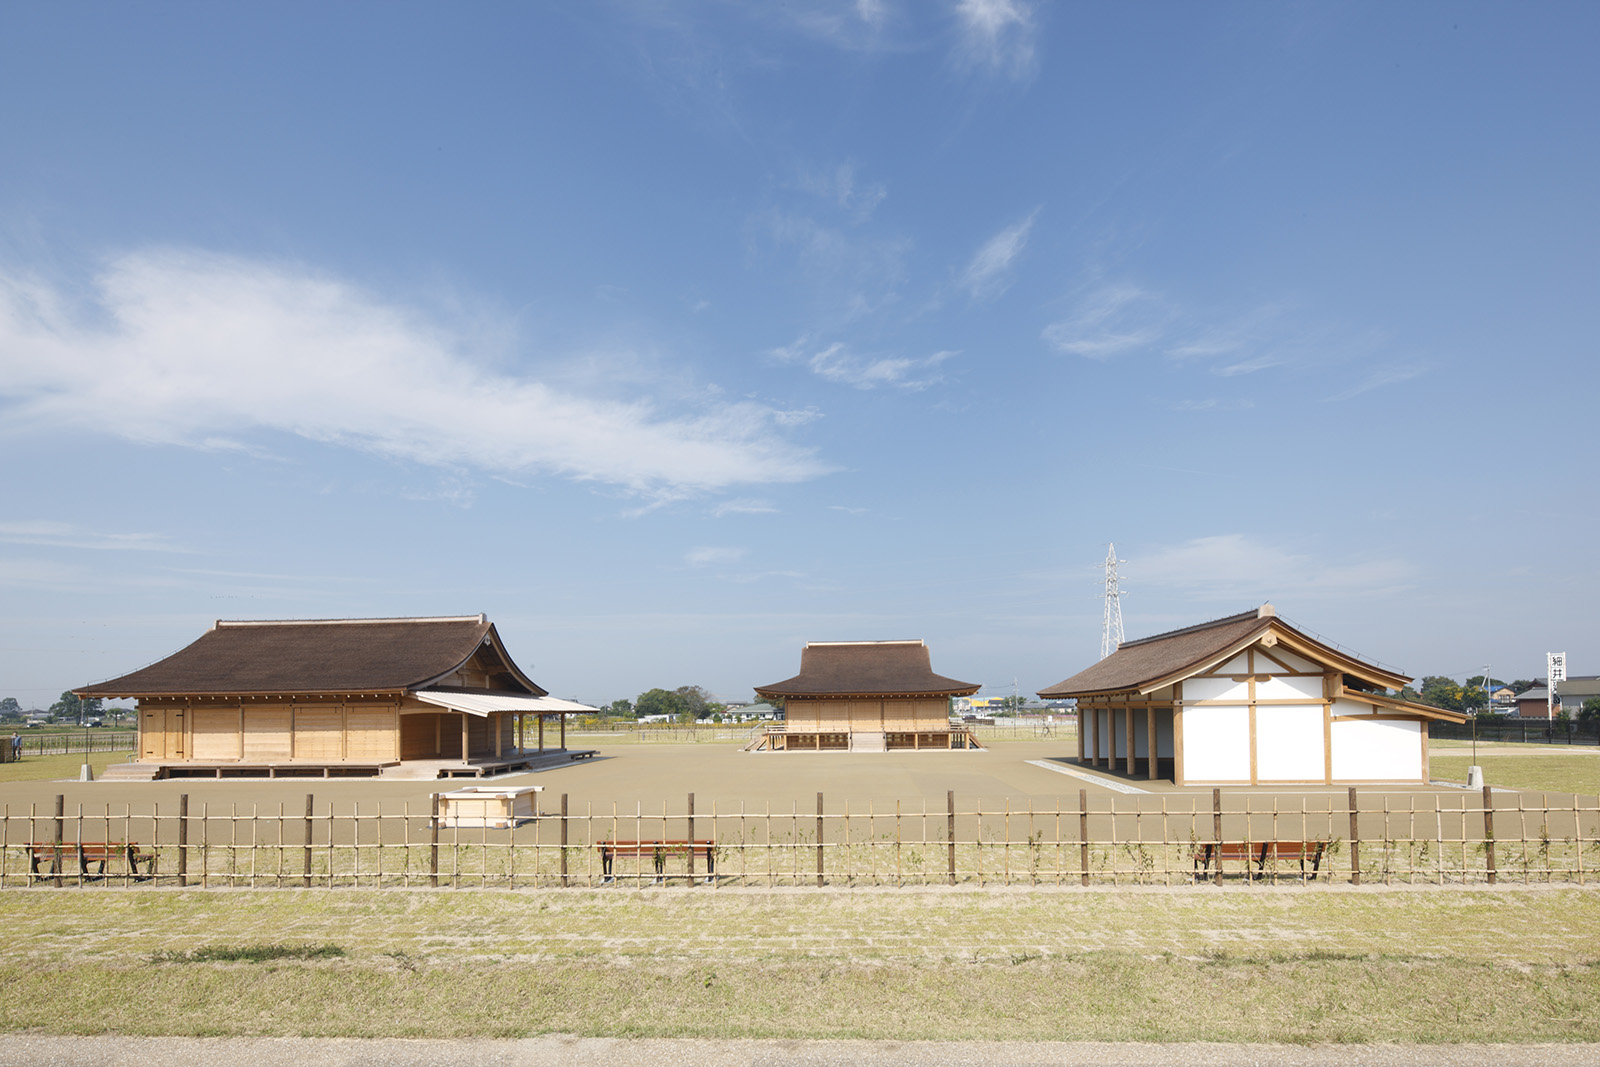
x,y
492,806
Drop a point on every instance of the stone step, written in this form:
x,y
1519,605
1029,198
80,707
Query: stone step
x,y
130,772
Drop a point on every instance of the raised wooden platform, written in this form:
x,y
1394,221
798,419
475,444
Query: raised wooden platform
x,y
416,770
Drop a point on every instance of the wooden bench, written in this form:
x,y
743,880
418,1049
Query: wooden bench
x,y
658,851
1258,853
87,852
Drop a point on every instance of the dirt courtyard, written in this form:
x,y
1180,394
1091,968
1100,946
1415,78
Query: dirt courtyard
x,y
635,776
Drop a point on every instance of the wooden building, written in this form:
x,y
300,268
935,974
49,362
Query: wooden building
x,y
865,696
426,698
1247,700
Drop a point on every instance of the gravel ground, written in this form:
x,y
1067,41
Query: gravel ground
x,y
47,1051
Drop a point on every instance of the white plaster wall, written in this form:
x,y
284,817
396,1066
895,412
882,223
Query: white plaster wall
x,y
1383,750
1289,659
1289,744
1216,744
1164,733
1352,707
1214,689
1239,664
1281,688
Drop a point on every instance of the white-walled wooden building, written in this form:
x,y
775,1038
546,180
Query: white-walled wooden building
x,y
350,697
1247,700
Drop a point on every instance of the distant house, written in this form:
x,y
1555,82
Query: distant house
x,y
865,696
426,697
1248,699
1534,703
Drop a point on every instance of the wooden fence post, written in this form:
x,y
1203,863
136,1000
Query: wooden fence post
x,y
1488,830
1083,833
183,839
57,831
306,874
433,844
819,839
1355,840
691,837
1216,832
564,838
950,797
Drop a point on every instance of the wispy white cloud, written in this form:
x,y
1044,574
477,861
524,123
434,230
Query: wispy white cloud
x,y
989,273
996,35
849,510
712,555
198,350
836,363
1250,571
67,535
744,506
844,189
1377,379
1111,321
1214,404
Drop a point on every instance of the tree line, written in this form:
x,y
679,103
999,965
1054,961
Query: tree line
x,y
685,704
1472,696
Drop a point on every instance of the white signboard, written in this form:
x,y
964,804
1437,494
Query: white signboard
x,y
1555,666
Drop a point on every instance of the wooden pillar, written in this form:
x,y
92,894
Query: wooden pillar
x,y
1094,747
1083,732
563,733
1150,746
522,732
466,739
1127,715
496,720
541,731
1177,733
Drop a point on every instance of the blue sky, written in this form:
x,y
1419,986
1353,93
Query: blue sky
x,y
674,335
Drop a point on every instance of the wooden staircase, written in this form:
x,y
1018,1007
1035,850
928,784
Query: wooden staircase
x,y
868,741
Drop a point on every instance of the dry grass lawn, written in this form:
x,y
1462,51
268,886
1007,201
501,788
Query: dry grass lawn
x,y
1299,965
1549,769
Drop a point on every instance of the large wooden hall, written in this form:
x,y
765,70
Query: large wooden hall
x,y
865,696
413,698
1248,700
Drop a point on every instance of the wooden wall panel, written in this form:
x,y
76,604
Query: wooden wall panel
x,y
216,733
933,714
833,714
800,714
373,733
419,736
266,733
152,733
479,738
318,733
869,714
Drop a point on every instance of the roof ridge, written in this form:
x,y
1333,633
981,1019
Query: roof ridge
x,y
827,644
479,618
1253,613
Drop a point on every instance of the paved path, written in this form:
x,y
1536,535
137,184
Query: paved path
x,y
18,1050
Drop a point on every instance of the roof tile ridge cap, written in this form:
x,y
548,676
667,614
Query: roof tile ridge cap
x,y
479,619
1252,615
897,641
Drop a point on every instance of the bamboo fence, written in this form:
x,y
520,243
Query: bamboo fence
x,y
1466,838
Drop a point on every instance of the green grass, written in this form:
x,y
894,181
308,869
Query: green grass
x,y
249,954
56,768
1303,965
1543,770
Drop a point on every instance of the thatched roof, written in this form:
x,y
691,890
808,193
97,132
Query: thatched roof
x,y
1151,662
866,669
305,657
